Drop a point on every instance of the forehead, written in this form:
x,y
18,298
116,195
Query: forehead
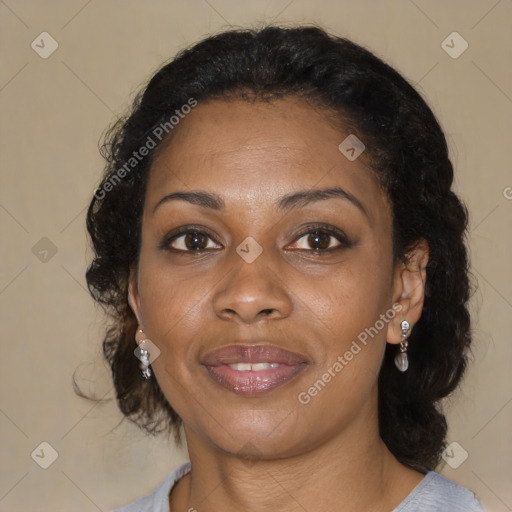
x,y
256,152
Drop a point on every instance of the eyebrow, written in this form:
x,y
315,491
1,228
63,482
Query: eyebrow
x,y
288,202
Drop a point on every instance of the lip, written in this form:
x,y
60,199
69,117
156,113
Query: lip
x,y
260,353
251,382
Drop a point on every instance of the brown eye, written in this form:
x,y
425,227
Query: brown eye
x,y
322,240
190,240
319,240
195,240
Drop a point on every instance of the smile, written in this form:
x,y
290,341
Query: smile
x,y
253,369
253,378
256,367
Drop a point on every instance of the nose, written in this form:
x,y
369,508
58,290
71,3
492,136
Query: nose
x,y
252,292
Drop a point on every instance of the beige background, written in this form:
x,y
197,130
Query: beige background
x,y
53,112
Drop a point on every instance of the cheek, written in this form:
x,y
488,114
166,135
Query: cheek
x,y
352,326
168,294
351,299
170,304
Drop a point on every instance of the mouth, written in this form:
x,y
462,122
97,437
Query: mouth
x,y
253,369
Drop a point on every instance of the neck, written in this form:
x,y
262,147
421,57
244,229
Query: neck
x,y
350,471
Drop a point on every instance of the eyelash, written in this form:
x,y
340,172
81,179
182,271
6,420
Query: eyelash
x,y
339,235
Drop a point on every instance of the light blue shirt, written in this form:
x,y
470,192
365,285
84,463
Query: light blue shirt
x,y
434,493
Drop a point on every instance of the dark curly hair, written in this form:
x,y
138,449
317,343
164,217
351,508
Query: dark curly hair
x,y
408,153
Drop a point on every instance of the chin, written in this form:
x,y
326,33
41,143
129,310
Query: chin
x,y
258,434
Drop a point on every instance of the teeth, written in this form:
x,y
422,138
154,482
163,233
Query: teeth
x,y
246,367
241,367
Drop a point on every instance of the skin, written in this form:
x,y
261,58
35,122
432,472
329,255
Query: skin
x,y
318,456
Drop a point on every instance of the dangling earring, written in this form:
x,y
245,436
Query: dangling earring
x,y
401,360
142,353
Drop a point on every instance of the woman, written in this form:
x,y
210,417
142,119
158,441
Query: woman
x,y
278,244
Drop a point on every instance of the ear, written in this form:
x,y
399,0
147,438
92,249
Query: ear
x,y
409,290
133,295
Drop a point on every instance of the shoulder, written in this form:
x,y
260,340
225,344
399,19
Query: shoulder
x,y
158,500
435,493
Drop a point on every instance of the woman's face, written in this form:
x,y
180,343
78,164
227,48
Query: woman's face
x,y
261,278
